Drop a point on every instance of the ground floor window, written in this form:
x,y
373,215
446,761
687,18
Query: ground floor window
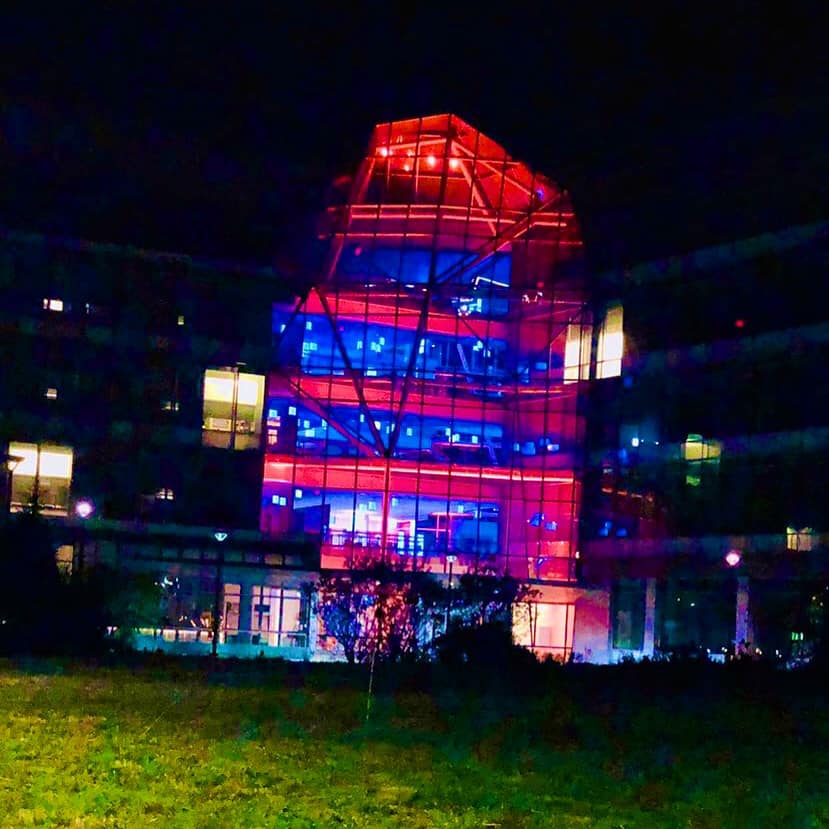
x,y
276,615
696,614
628,614
545,628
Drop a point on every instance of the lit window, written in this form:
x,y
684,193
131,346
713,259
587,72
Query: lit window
x,y
165,494
170,405
546,629
64,556
180,319
577,352
799,539
700,454
51,394
43,476
611,344
52,304
233,405
276,616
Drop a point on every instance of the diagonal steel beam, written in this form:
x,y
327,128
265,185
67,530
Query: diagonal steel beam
x,y
497,242
327,413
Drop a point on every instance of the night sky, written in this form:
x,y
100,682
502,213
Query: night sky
x,y
216,131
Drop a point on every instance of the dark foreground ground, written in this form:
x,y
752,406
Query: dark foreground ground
x,y
160,743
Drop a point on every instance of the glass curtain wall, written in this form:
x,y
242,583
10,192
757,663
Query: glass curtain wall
x,y
424,398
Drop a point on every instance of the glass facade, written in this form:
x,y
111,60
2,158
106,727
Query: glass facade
x,y
424,402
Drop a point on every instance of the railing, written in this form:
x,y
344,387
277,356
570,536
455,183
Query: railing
x,y
264,639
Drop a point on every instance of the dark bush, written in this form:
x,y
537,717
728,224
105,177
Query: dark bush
x,y
486,656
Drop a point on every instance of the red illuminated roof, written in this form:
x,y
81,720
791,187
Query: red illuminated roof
x,y
438,181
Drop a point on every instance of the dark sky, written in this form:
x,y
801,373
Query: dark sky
x,y
214,129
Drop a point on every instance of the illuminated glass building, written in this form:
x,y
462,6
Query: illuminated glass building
x,y
424,400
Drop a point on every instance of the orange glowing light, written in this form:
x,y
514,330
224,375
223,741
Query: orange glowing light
x,y
453,163
431,160
384,151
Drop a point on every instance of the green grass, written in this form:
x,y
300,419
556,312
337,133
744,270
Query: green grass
x,y
121,748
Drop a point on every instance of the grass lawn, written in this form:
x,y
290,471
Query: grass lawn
x,y
118,747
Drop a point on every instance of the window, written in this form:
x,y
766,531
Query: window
x,y
233,600
42,477
628,610
802,539
577,352
233,403
50,304
702,456
611,344
544,628
276,617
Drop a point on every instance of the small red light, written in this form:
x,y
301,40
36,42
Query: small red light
x,y
739,323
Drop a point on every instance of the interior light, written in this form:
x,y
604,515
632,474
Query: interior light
x,y
431,160
407,167
634,442
51,394
220,535
733,558
384,151
453,163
